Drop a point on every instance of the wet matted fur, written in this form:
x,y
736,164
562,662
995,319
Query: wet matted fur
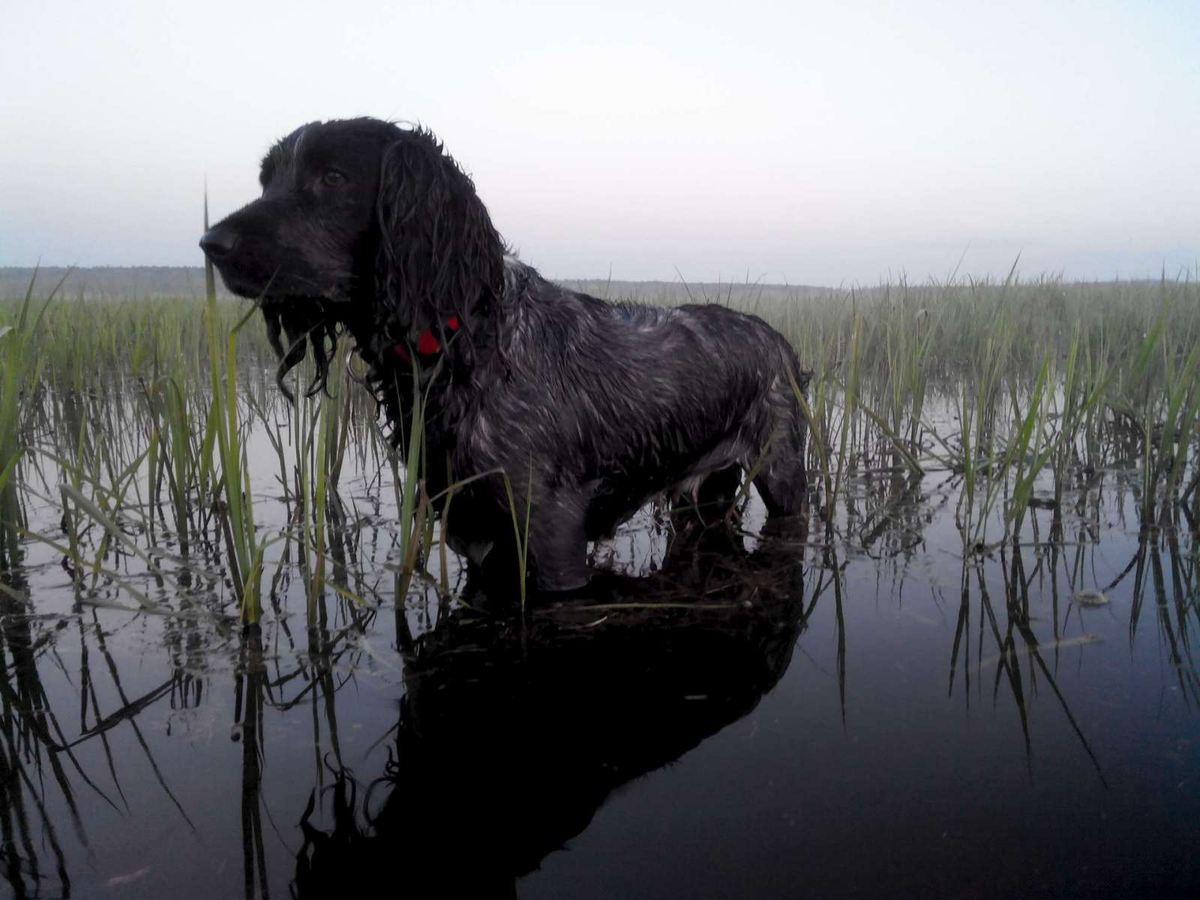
x,y
370,229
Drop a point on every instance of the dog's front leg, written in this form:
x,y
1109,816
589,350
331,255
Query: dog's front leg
x,y
558,544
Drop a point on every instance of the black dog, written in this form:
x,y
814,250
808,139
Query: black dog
x,y
372,229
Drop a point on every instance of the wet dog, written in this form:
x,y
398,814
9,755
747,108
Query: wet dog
x,y
589,408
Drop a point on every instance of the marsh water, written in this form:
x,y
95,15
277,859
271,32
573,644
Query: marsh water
x,y
873,710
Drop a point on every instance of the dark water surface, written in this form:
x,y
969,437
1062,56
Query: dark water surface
x,y
775,716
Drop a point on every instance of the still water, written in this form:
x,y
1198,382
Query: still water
x,y
722,715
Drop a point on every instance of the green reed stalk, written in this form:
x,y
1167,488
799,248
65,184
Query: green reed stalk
x,y
967,498
239,511
521,536
19,353
850,403
327,420
412,467
816,444
1027,451
1179,421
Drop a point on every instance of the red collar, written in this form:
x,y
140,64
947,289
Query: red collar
x,y
427,342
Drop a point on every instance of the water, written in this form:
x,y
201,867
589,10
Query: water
x,y
773,715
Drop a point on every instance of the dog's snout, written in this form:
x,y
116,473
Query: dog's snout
x,y
219,242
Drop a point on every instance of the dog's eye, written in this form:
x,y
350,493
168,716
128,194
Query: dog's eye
x,y
333,177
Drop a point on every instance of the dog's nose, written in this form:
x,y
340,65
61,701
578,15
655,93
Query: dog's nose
x,y
218,242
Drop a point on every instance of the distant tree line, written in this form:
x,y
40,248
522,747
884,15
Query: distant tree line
x,y
99,282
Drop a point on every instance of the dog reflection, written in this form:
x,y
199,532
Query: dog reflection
x,y
511,737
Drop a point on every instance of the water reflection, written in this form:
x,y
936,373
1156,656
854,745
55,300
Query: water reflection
x,y
457,745
512,733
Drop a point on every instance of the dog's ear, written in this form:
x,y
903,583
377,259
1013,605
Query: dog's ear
x,y
440,257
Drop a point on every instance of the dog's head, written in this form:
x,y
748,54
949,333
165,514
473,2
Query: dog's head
x,y
360,221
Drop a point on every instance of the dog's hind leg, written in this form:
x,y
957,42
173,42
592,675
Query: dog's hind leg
x,y
782,480
558,545
782,484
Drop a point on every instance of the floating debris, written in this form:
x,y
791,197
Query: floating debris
x,y
136,875
1090,598
1029,650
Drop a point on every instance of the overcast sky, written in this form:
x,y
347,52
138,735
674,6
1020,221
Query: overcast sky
x,y
820,143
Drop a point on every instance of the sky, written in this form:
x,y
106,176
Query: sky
x,y
829,143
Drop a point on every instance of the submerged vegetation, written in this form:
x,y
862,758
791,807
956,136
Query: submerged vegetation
x,y
149,464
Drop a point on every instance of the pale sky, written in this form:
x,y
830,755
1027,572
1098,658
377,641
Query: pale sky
x,y
817,143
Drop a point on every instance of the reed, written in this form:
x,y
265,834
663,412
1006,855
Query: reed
x,y
143,413
236,512
18,360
